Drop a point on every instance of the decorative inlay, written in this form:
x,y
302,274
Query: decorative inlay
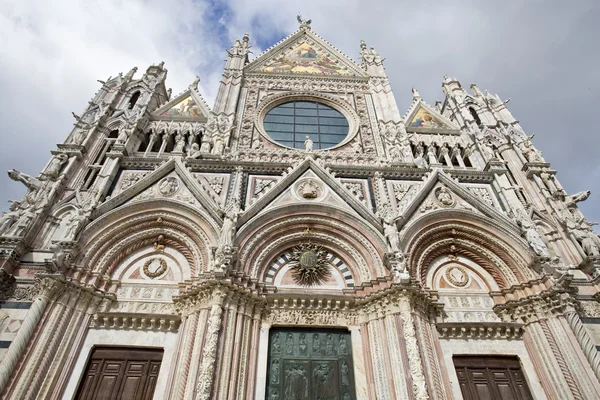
x,y
457,276
310,265
168,186
444,197
152,269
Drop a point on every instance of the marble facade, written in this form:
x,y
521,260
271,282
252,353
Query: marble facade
x,y
163,223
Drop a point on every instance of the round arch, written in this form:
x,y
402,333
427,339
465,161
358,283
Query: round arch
x,y
119,233
493,245
264,238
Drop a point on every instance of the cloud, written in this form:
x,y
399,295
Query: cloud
x,y
539,54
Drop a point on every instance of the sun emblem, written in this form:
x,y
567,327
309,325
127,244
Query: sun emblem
x,y
309,264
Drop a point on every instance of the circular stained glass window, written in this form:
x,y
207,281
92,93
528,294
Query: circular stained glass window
x,y
290,123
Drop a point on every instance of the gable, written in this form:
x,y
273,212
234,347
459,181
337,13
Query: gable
x,y
171,181
185,108
305,53
188,106
309,184
422,118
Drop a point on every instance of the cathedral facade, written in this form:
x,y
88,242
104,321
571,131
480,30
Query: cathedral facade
x,y
301,239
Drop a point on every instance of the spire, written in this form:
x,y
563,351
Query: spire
x,y
476,90
371,61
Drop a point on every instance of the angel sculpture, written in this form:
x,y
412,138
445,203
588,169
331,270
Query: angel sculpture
x,y
303,22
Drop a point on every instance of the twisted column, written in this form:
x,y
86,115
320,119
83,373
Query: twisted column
x,y
588,347
19,344
209,356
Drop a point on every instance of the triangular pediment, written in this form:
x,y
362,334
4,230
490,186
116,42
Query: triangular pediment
x,y
422,118
309,184
305,53
187,106
171,181
441,192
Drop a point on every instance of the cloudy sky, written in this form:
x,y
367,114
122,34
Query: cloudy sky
x,y
544,55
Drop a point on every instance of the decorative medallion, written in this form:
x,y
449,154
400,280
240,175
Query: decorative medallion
x,y
168,186
444,197
155,267
309,264
457,276
309,189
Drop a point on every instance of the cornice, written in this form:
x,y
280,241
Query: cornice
x,y
480,330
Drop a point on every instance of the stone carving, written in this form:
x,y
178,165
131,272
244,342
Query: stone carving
x,y
457,276
168,186
309,189
529,152
8,218
179,143
585,236
391,234
53,170
532,236
356,189
309,264
444,197
216,183
154,267
261,185
308,144
404,194
131,179
483,194
230,217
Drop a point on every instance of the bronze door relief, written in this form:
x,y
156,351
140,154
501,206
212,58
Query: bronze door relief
x,y
310,364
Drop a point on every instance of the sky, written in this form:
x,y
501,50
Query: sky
x,y
542,54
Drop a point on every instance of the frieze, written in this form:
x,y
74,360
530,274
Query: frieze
x,y
479,330
145,322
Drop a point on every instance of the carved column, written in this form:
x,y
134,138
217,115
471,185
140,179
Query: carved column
x,y
209,354
553,347
412,350
48,288
588,347
67,320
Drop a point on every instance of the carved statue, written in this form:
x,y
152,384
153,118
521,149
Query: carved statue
x,y
391,234
78,137
22,224
123,136
194,85
194,151
589,241
74,222
444,196
179,143
218,145
53,170
59,258
529,152
308,144
533,237
228,229
8,218
206,144
303,22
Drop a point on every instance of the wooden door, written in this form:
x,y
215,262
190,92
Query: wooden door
x,y
491,378
115,373
310,364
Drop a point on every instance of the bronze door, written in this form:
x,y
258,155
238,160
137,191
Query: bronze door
x,y
114,373
491,378
310,364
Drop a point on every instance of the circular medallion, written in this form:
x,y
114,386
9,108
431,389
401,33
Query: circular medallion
x,y
310,266
444,197
457,276
168,186
155,267
308,259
